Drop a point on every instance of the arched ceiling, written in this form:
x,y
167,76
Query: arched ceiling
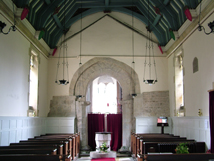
x,y
57,16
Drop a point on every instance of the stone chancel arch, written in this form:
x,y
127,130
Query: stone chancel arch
x,y
123,74
105,66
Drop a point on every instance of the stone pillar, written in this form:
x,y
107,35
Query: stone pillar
x,y
82,123
79,118
127,121
84,127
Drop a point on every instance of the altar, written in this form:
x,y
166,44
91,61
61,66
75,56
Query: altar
x,y
100,138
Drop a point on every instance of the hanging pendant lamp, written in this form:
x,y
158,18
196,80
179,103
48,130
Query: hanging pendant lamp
x,y
63,59
150,74
79,96
133,61
62,64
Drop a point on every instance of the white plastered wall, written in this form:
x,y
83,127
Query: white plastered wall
x,y
14,73
196,85
110,39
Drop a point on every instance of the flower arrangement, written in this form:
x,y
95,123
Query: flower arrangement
x,y
182,149
103,147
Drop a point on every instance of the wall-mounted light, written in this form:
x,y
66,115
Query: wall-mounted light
x,y
200,27
78,97
200,112
3,25
134,95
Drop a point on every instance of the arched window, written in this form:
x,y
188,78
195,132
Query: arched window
x,y
195,65
179,87
33,84
104,95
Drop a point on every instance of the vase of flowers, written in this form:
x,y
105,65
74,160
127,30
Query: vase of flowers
x,y
103,148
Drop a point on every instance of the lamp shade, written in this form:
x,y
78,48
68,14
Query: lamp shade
x,y
187,13
24,13
42,32
150,81
63,82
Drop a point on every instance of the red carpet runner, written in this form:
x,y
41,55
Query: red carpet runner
x,y
103,159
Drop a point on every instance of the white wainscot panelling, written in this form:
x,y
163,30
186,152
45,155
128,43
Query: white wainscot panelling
x,y
149,125
18,135
24,134
14,129
60,125
5,124
5,138
12,137
12,124
25,122
202,135
19,124
196,128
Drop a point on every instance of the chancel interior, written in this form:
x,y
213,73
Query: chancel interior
x,y
72,68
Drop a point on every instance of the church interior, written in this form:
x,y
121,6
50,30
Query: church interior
x,y
133,68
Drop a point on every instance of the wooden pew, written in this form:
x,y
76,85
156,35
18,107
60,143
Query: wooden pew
x,y
142,143
55,139
50,151
72,144
176,157
138,140
65,143
28,144
75,138
34,157
161,147
69,138
135,139
47,146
